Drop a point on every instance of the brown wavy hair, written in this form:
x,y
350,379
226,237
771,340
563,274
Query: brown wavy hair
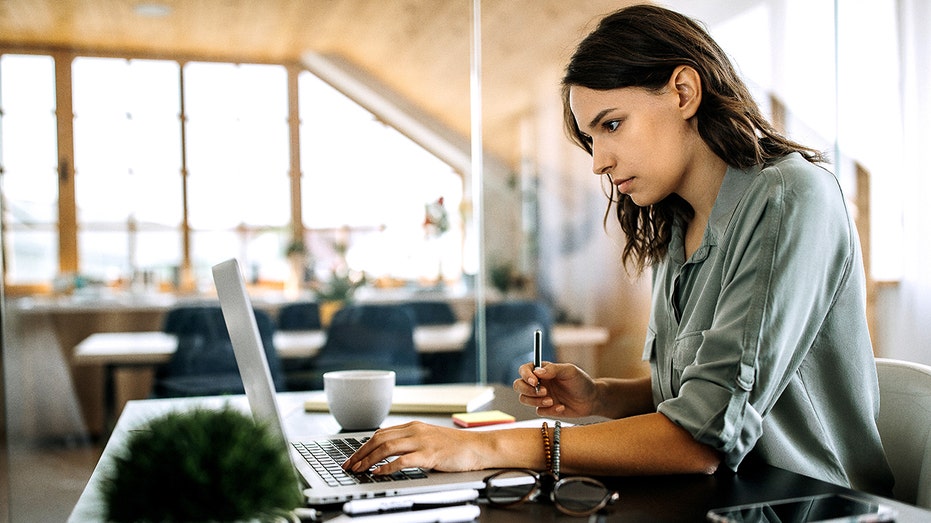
x,y
640,46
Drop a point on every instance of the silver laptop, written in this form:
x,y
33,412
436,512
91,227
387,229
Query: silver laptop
x,y
317,460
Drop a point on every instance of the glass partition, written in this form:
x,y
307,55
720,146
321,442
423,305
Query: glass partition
x,y
170,156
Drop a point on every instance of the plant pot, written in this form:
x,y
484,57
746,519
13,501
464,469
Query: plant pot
x,y
327,309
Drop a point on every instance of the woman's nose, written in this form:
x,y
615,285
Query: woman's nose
x,y
601,163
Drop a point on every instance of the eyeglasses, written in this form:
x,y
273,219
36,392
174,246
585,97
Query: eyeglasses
x,y
573,496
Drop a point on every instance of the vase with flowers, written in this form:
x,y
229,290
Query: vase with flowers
x,y
435,225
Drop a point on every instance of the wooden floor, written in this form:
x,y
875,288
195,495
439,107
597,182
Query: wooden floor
x,y
47,479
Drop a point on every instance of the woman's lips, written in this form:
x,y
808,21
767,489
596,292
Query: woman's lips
x,y
624,185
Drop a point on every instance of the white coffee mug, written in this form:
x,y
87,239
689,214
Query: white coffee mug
x,y
359,399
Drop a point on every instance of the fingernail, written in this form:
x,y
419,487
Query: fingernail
x,y
547,402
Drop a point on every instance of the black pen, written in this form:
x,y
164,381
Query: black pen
x,y
537,353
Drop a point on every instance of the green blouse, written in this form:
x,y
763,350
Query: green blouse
x,y
758,343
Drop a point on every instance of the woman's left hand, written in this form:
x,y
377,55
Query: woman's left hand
x,y
419,444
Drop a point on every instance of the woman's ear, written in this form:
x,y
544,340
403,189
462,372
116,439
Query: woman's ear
x,y
687,85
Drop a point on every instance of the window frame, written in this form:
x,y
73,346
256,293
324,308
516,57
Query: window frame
x,y
68,221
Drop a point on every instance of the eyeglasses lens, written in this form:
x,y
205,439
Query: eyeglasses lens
x,y
510,487
580,496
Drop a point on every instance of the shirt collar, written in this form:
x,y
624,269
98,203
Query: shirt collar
x,y
735,184
732,189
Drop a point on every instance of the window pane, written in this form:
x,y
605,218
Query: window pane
x,y
264,252
871,126
105,255
28,150
127,138
362,175
32,255
237,143
127,141
157,249
260,253
210,248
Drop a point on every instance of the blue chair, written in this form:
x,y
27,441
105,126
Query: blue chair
x,y
509,332
204,363
432,312
199,319
368,336
299,316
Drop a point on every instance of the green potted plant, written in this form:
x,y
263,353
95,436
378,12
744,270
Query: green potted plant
x,y
337,290
295,248
201,465
340,287
506,278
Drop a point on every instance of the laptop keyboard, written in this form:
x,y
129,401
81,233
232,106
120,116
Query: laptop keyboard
x,y
327,456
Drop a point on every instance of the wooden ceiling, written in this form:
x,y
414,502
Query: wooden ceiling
x,y
418,48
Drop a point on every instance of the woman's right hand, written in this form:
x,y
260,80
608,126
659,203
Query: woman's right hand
x,y
565,390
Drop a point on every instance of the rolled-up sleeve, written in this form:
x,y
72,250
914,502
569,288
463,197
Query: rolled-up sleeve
x,y
754,306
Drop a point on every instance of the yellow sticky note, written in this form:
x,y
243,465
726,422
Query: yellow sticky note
x,y
478,419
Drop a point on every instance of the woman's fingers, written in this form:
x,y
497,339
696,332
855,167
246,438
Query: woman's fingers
x,y
528,380
383,444
415,444
531,378
532,392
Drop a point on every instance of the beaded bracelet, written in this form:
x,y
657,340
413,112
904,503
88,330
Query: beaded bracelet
x,y
547,449
554,467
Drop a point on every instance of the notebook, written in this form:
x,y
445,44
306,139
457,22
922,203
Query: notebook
x,y
317,459
424,399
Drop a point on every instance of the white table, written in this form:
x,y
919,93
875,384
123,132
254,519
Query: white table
x,y
130,357
152,348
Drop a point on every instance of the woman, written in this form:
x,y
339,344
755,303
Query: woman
x,y
757,341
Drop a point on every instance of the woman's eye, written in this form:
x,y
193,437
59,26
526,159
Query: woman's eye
x,y
612,125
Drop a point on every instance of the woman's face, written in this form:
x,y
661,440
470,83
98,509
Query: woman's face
x,y
639,137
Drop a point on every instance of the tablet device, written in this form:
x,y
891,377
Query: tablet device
x,y
809,509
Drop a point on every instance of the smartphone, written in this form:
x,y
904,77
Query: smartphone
x,y
809,509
